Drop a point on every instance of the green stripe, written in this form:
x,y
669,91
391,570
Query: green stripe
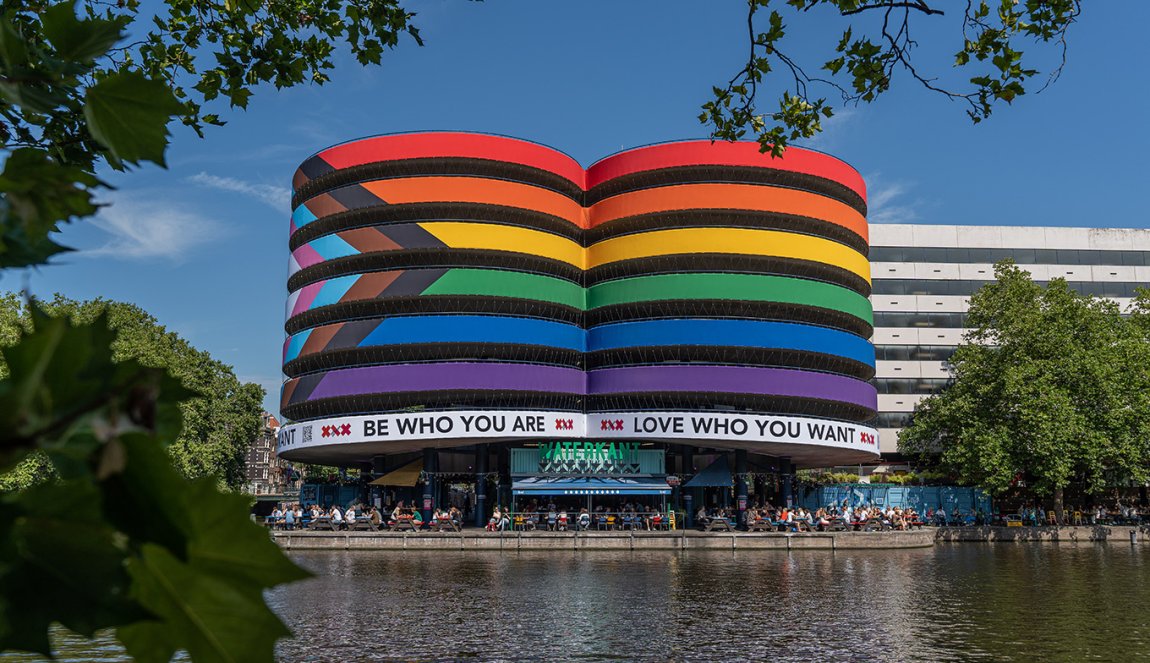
x,y
747,287
497,283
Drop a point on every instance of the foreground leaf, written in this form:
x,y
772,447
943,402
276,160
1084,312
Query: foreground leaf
x,y
129,113
210,618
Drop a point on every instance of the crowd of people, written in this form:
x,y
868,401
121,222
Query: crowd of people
x,y
557,518
294,516
821,520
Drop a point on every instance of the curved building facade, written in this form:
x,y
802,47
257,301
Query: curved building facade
x,y
450,289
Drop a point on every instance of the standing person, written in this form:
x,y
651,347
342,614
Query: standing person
x,y
289,518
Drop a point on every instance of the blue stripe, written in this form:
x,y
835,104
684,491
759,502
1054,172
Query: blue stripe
x,y
332,246
740,333
475,329
295,344
302,216
332,290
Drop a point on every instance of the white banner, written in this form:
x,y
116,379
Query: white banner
x,y
543,425
709,425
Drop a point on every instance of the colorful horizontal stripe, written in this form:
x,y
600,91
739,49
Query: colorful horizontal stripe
x,y
733,379
432,145
434,329
734,333
438,235
436,281
753,197
722,153
741,241
551,379
742,287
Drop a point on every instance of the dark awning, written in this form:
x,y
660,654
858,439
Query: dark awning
x,y
590,486
717,474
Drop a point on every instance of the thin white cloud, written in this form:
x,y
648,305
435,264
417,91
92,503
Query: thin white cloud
x,y
834,128
886,201
154,228
276,197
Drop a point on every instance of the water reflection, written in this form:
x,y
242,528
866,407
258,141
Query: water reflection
x,y
955,602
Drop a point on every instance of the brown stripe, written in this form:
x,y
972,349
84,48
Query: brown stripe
x,y
319,338
324,205
369,286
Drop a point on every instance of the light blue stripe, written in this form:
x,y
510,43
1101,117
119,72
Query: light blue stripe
x,y
332,247
332,290
295,344
302,216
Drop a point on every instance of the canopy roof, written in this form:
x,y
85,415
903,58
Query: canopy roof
x,y
407,475
590,486
717,474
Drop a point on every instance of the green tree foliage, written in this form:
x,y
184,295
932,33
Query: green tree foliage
x,y
875,44
74,96
219,426
1048,385
121,540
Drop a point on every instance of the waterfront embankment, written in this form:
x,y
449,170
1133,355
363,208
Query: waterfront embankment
x,y
693,540
678,540
1051,534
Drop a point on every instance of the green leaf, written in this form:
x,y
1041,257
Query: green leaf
x,y
63,379
211,618
128,113
36,194
45,531
80,40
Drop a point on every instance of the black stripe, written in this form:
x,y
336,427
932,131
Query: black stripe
x,y
432,352
727,175
722,402
726,218
727,262
728,356
420,258
437,166
430,305
313,168
728,308
355,197
435,400
426,212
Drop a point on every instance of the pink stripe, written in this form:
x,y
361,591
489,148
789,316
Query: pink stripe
x,y
306,256
306,296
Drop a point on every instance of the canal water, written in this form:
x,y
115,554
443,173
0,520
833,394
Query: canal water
x,y
955,602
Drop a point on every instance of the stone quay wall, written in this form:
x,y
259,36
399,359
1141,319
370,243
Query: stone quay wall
x,y
559,541
1114,534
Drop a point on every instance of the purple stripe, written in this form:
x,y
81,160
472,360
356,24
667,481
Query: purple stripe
x,y
433,377
733,379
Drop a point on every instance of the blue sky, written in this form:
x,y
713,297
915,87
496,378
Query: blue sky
x,y
203,245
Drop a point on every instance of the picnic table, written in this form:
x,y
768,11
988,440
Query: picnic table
x,y
447,525
760,525
403,523
322,522
717,524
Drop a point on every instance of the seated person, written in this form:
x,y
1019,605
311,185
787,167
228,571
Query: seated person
x,y
584,519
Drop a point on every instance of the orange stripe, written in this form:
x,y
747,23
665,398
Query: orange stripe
x,y
728,196
478,190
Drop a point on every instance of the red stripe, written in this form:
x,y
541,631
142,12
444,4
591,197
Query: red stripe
x,y
720,153
453,144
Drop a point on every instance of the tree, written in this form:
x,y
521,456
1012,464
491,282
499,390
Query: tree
x,y
872,48
1048,384
219,426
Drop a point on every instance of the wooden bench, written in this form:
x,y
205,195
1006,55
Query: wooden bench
x,y
323,522
761,526
447,525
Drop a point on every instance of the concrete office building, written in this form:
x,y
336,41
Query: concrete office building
x,y
923,276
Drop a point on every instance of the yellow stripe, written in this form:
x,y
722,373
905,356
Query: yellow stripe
x,y
728,240
506,238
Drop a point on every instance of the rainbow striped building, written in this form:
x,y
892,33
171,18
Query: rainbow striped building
x,y
461,299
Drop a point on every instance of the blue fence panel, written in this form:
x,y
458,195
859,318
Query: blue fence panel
x,y
919,498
